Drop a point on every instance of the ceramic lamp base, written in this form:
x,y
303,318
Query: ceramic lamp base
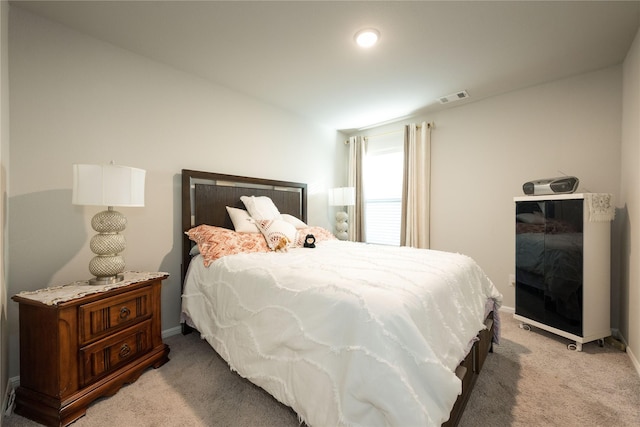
x,y
107,265
342,226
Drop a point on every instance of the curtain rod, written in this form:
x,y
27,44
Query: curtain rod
x,y
430,125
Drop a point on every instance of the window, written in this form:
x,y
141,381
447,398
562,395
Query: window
x,y
382,174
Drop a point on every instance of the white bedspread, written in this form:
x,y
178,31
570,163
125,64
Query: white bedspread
x,y
371,337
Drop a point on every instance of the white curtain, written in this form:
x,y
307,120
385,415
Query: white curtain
x,y
357,150
416,186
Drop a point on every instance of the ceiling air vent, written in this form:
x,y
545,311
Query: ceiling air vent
x,y
453,97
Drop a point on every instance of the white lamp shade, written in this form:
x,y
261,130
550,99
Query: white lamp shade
x,y
108,185
343,196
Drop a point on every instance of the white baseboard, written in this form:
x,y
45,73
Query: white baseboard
x,y
508,310
615,332
634,359
10,395
171,332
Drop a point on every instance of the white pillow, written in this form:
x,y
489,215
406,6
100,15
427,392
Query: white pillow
x,y
278,233
242,221
260,207
294,221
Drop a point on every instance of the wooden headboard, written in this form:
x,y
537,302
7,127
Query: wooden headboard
x,y
205,196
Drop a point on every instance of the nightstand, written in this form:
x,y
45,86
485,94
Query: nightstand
x,y
79,342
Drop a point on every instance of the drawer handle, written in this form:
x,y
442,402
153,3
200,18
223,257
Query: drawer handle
x,y
124,351
124,312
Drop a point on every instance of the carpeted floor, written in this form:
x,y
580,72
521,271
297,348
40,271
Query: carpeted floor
x,y
531,379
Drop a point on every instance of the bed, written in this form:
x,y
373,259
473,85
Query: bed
x,y
344,333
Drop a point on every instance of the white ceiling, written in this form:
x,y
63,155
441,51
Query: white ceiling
x,y
301,56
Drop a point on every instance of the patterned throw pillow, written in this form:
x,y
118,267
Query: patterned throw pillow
x,y
216,242
278,233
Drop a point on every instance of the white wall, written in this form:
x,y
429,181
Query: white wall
x,y
75,99
482,153
4,156
630,203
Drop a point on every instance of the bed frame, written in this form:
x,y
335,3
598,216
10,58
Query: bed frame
x,y
204,197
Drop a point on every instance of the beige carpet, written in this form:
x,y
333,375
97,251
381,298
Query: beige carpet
x,y
530,380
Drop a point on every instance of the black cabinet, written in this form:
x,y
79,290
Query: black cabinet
x,y
562,267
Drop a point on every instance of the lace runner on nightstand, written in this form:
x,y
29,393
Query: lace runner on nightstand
x,y
601,207
58,294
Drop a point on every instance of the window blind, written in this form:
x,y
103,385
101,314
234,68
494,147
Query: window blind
x,y
383,168
383,221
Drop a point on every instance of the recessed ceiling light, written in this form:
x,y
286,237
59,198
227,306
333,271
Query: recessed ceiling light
x,y
367,37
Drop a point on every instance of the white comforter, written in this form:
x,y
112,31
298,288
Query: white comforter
x,y
345,333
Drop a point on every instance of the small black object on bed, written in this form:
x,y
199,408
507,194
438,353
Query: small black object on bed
x,y
310,241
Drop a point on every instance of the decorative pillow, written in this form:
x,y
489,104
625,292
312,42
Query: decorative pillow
x,y
260,207
319,233
278,233
242,221
216,242
293,221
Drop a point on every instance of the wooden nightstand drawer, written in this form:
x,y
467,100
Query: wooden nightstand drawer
x,y
104,356
101,318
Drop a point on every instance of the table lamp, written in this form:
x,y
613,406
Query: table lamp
x,y
342,196
108,185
